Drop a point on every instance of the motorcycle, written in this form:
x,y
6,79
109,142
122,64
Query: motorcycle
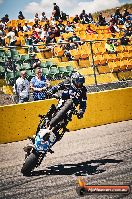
x,y
48,133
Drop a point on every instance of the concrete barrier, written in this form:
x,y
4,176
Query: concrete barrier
x,y
20,121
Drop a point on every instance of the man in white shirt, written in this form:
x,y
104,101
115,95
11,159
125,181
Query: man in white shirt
x,y
22,88
26,27
12,37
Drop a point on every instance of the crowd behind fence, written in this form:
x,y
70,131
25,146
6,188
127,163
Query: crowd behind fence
x,y
90,58
101,50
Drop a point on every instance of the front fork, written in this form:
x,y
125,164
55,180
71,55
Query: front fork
x,y
30,149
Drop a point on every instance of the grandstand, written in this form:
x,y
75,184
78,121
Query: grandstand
x,y
102,70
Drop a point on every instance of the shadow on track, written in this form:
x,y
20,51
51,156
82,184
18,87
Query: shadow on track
x,y
79,169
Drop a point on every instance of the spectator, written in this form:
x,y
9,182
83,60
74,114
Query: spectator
x,y
43,17
113,28
19,28
89,30
113,20
2,36
84,17
90,18
63,16
5,19
127,23
22,88
28,39
12,37
74,38
109,46
128,32
26,27
20,16
47,24
114,40
2,24
76,19
15,31
69,27
67,49
117,14
124,41
125,14
51,38
35,37
56,31
61,39
56,11
61,26
39,84
52,21
101,20
44,34
36,18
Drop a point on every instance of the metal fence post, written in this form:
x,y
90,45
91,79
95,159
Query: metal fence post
x,y
93,63
14,70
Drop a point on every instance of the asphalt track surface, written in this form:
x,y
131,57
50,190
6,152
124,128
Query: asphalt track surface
x,y
102,155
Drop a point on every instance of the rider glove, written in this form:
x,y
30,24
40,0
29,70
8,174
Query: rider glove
x,y
80,114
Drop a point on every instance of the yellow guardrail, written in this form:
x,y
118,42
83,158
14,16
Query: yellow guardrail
x,y
19,121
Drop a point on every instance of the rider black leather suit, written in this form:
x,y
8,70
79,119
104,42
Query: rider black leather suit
x,y
68,88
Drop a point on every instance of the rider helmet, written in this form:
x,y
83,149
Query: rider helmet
x,y
78,80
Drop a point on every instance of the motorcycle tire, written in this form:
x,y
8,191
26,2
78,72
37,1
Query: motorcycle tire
x,y
61,113
29,164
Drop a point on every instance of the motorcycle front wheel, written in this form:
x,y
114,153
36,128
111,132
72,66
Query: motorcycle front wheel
x,y
29,164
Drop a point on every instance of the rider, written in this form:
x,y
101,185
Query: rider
x,y
70,87
67,88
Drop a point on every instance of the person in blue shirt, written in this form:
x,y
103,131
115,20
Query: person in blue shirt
x,y
39,84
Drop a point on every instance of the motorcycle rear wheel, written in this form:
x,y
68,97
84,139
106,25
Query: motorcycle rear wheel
x,y
29,164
